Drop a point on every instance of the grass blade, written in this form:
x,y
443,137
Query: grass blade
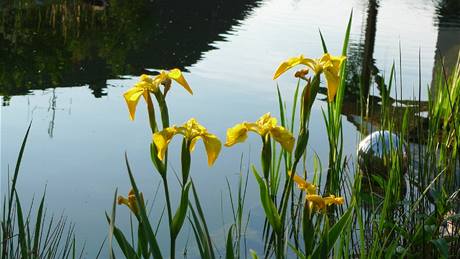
x,y
143,215
21,226
229,248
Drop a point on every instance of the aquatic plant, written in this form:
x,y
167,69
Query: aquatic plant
x,y
350,214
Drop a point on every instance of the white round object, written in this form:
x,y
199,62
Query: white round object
x,y
374,152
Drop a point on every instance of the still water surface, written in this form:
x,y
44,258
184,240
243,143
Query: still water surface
x,y
65,66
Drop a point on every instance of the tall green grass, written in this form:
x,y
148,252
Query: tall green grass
x,y
32,233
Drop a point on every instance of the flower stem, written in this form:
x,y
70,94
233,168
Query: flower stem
x,y
168,206
151,111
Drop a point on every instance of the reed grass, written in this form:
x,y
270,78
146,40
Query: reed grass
x,y
33,233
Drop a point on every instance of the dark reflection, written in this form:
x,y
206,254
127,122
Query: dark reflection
x,y
361,64
447,19
362,73
368,49
61,43
52,109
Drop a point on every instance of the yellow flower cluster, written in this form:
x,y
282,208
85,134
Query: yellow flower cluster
x,y
303,184
327,64
315,201
320,203
265,126
148,84
192,131
130,201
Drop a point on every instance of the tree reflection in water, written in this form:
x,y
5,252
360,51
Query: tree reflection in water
x,y
69,43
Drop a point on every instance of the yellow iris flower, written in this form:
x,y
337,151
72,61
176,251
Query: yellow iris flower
x,y
130,201
148,84
192,131
303,184
327,64
264,126
320,203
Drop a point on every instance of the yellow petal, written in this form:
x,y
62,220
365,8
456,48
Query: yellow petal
x,y
331,199
147,82
122,200
331,66
131,202
335,61
213,146
237,134
297,179
146,78
161,140
290,63
263,125
177,76
303,184
132,98
333,82
267,120
193,144
284,137
317,200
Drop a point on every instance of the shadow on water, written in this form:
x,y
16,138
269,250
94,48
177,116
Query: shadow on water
x,y
47,44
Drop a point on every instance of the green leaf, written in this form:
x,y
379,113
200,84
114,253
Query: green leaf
x,y
21,226
296,251
347,35
301,144
156,161
163,108
38,227
16,171
125,247
294,105
198,238
112,224
280,103
143,215
179,217
253,254
442,247
323,42
205,231
229,248
185,160
307,229
270,210
142,242
331,237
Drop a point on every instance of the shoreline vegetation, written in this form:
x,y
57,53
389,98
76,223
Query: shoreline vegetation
x,y
410,209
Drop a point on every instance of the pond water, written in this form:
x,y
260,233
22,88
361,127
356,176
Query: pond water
x,y
64,65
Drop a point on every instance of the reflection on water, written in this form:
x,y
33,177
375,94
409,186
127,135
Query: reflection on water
x,y
447,20
365,73
69,43
46,44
